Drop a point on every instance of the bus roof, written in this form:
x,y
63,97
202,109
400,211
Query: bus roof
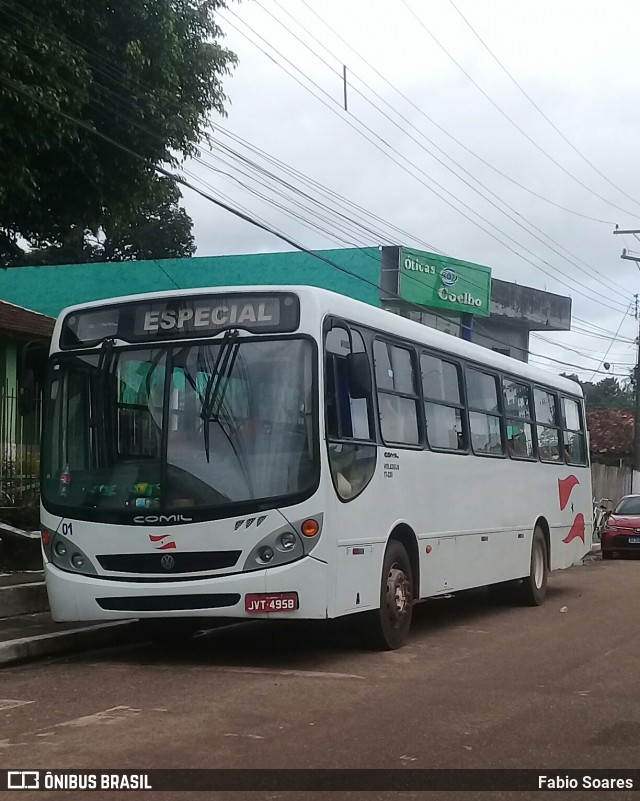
x,y
356,311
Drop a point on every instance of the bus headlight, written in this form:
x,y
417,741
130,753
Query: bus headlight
x,y
277,548
287,540
286,544
67,556
265,554
78,561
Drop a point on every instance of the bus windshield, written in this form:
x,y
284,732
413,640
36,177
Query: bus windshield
x,y
174,428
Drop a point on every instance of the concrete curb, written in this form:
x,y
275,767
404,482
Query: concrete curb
x,y
23,599
59,642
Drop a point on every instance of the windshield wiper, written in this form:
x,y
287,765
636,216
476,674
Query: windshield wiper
x,y
218,382
105,366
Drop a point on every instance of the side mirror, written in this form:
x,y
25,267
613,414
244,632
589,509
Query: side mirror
x,y
358,375
32,376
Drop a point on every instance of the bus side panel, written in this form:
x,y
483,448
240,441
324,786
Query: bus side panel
x,y
473,516
572,524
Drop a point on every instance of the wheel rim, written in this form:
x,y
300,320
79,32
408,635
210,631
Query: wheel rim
x,y
399,596
538,565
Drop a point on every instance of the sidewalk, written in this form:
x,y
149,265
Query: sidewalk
x,y
28,632
33,636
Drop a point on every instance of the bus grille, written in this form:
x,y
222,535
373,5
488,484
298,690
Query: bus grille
x,y
180,562
168,603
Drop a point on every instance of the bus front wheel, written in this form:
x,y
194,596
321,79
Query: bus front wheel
x,y
534,586
389,625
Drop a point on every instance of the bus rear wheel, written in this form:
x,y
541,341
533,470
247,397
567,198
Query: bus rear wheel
x,y
389,625
534,586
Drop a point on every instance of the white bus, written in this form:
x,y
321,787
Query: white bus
x,y
260,452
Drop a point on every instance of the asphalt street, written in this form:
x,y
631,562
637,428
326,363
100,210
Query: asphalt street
x,y
481,684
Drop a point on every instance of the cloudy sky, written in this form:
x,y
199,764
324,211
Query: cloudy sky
x,y
439,142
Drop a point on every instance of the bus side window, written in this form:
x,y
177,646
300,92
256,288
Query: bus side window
x,y
575,449
397,393
347,417
444,409
519,414
484,413
349,421
546,410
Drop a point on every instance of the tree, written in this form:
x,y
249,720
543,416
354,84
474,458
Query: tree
x,y
608,393
147,75
159,230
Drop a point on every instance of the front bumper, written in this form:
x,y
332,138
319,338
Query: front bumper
x,y
76,597
619,542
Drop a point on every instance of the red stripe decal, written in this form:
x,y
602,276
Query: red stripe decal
x,y
576,530
167,546
565,488
158,537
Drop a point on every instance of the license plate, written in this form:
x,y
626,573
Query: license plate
x,y
271,602
634,540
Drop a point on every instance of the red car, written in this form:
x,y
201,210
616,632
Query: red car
x,y
621,533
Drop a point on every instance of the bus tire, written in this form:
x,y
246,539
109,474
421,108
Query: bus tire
x,y
388,626
534,586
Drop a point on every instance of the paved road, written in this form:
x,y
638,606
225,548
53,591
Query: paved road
x,y
480,684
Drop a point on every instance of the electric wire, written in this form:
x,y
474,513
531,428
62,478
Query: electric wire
x,y
465,215
173,281
509,119
417,169
225,206
612,341
537,107
522,221
447,133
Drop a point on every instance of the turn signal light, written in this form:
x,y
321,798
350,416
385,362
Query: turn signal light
x,y
46,537
310,528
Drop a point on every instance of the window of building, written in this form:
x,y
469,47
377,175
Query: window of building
x,y
397,393
546,412
444,412
484,413
575,447
519,419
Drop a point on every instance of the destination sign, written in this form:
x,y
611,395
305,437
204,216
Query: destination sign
x,y
181,317
209,315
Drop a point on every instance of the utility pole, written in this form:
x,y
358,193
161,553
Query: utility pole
x,y
636,421
344,84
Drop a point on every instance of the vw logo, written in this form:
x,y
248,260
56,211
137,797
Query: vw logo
x,y
448,276
168,562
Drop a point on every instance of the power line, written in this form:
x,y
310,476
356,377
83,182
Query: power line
x,y
508,118
520,222
537,107
415,169
315,185
236,212
613,340
447,133
324,230
115,113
